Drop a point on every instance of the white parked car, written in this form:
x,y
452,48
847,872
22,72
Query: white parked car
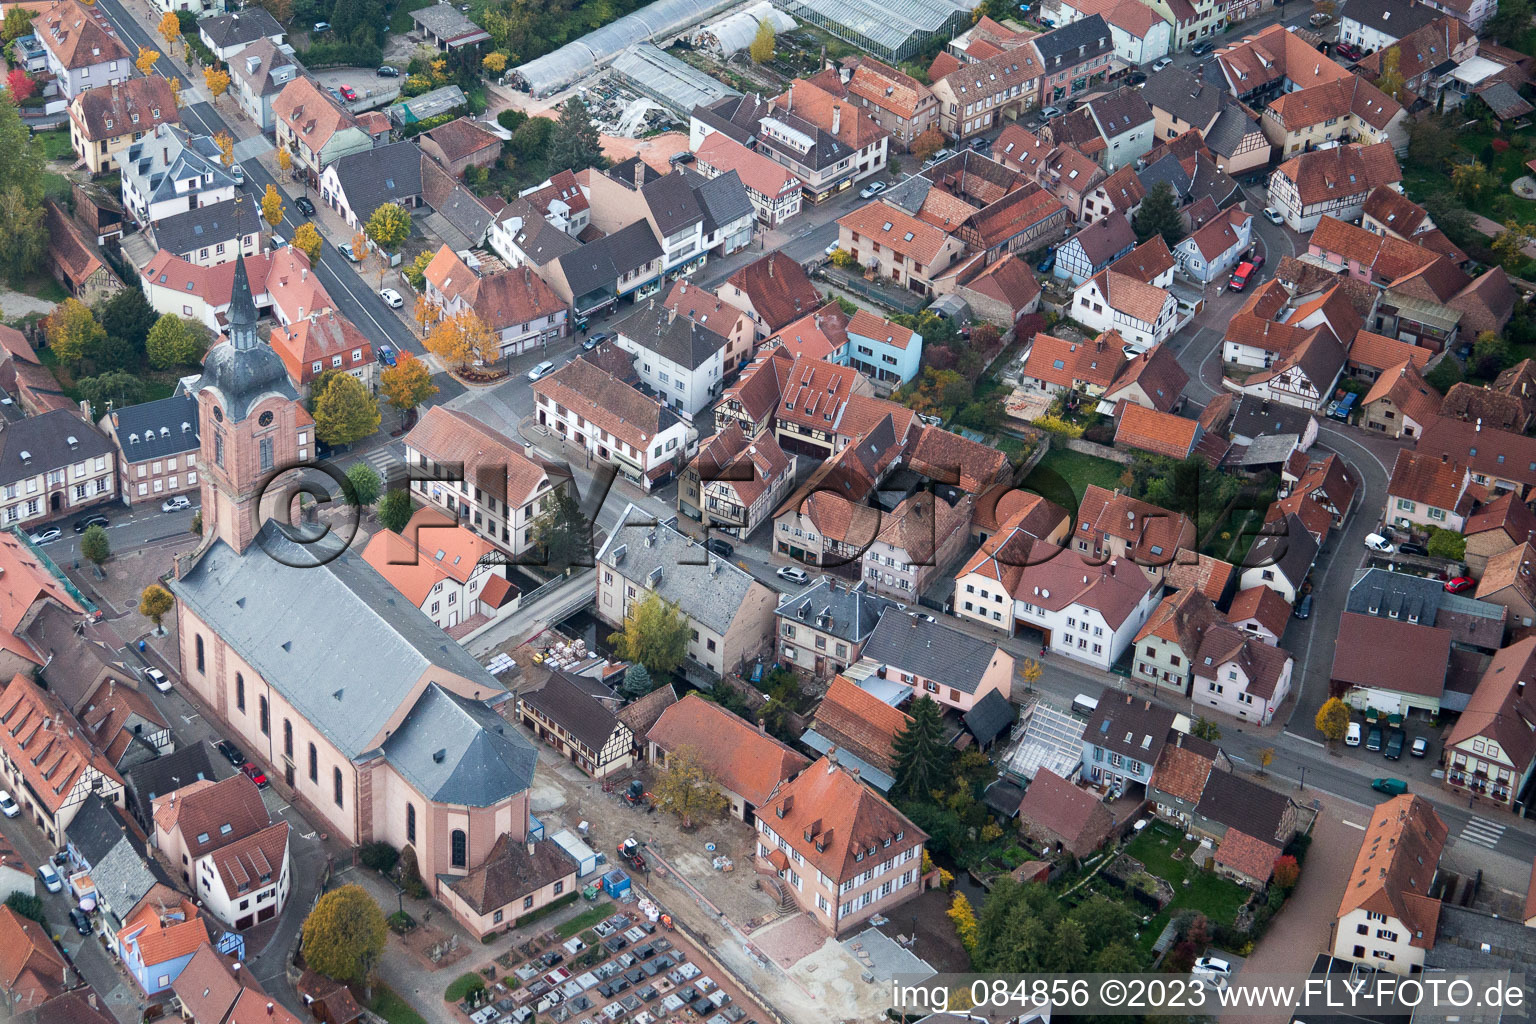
x,y
1376,542
871,190
1352,737
8,807
540,370
51,880
176,504
47,536
157,677
1161,63
391,298
1273,216
1212,967
794,574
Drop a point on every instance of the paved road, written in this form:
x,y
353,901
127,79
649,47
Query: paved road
x,y
131,527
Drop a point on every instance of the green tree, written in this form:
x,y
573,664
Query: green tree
x,y
23,239
72,331
1509,246
1205,729
1431,143
395,510
364,484
562,532
18,22
155,603
1332,719
575,144
531,140
344,935
1511,22
1490,354
175,342
116,387
1159,215
26,904
761,49
388,226
1447,544
95,546
345,411
127,315
687,789
1444,374
416,270
922,759
655,634
637,681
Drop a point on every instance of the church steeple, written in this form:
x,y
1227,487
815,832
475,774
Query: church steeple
x,y
242,310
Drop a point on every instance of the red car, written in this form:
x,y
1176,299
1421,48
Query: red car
x,y
1459,583
1348,51
348,93
255,774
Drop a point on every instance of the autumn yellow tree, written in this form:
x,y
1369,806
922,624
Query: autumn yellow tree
x,y
146,60
406,384
427,312
175,84
307,240
462,338
967,929
272,207
495,63
359,246
226,146
170,30
217,82
284,161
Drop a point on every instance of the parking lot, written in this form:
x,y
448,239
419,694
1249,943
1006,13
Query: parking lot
x,y
372,91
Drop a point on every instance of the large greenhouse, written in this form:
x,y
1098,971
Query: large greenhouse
x,y
668,80
891,30
575,60
735,32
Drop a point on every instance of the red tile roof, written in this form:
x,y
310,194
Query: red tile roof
x,y
742,758
1161,433
1398,857
1252,858
1327,174
897,230
848,822
450,437
860,723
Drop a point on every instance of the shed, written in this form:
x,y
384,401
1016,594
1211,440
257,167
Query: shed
x,y
584,856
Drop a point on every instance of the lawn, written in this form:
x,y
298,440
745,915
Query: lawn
x,y
1218,899
400,21
56,145
392,1008
1063,475
584,920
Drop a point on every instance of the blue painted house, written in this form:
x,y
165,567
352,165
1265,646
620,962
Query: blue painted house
x,y
159,938
885,352
1123,739
1094,248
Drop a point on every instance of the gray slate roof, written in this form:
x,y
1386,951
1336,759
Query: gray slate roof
x,y
989,718
848,613
46,442
1074,43
1231,127
929,649
181,767
564,700
672,336
1119,112
95,829
346,650
207,226
124,876
1129,725
377,176
711,590
723,198
246,26
459,751
155,430
170,154
1253,418
1183,95
672,203
1286,545
600,264
540,240
1396,18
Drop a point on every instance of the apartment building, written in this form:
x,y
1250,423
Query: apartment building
x,y
84,51
156,446
104,121
1387,917
52,466
615,423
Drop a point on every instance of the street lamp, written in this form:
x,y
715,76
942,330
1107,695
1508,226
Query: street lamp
x,y
1302,782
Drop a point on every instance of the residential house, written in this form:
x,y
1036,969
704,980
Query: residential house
x,y
1179,776
1387,917
705,308
1054,811
1399,403
883,351
735,482
1055,365
576,717
357,183
614,422
227,848
103,121
461,144
858,728
124,724
1344,110
514,881
1073,58
210,988
1215,248
1271,325
1112,526
1489,751
593,277
1122,301
1161,433
257,76
516,305
83,48
952,460
1140,34
955,669
1474,625
1273,61
170,171
1376,24
1120,193
691,214
1507,581
1182,102
1303,377
215,233
1280,558
1084,608
845,143
730,613
1320,494
1168,642
893,99
1371,355
1000,293
1496,527
314,129
822,630
773,291
1331,182
53,465
184,765
562,201
229,35
978,96
838,847
1125,123
1093,249
1232,803
1124,738
201,294
49,766
1497,408
897,246
477,475
322,342
454,575
1499,460
918,540
32,970
1261,612
1393,665
1241,675
773,190
158,938
678,358
748,766
1426,491
1389,212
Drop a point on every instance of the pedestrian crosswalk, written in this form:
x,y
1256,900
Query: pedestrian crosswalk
x,y
386,462
1483,832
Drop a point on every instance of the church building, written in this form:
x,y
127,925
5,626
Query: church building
x,y
362,705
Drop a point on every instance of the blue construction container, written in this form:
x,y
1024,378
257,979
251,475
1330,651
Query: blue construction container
x,y
616,883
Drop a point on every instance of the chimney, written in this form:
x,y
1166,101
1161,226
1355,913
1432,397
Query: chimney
x,y
90,997
236,967
269,1009
789,99
639,172
530,847
762,727
837,118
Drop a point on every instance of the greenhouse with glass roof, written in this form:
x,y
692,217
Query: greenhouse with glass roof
x,y
667,80
891,30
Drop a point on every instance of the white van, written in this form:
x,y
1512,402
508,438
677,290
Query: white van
x,y
1084,705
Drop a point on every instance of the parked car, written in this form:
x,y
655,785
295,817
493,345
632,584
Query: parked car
x,y
1200,49
1241,275
176,504
1273,216
721,547
255,774
1050,112
8,807
594,341
1304,607
540,370
1391,787
871,190
238,173
158,679
387,355
1394,749
391,298
1212,966
1047,262
231,753
388,71
1255,257
1376,542
92,520
1319,19
1457,584
1349,51
277,242
1352,737
306,207
78,918
345,248
322,26
348,93
1409,548
794,574
51,880
1420,746
1160,63
980,144
1373,739
47,536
